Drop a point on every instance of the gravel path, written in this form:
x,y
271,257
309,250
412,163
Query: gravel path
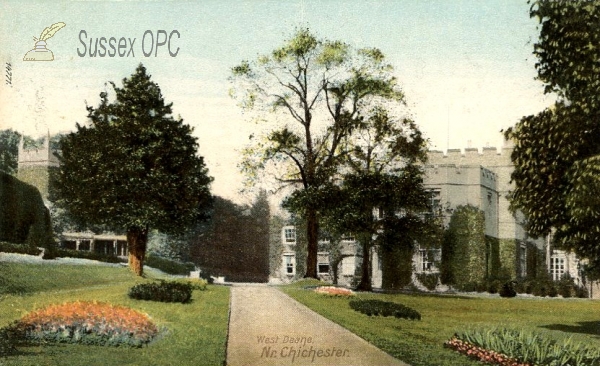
x,y
267,327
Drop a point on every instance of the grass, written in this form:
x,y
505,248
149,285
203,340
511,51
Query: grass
x,y
195,333
421,342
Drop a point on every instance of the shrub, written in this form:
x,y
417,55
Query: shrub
x,y
508,290
494,286
197,283
91,323
84,254
519,347
163,291
384,308
18,248
334,291
169,266
7,343
429,280
566,286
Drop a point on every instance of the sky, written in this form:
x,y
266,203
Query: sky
x,y
466,66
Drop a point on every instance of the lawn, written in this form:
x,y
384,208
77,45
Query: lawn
x,y
421,342
195,333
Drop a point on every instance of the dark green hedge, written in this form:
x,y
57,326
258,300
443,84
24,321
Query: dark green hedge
x,y
84,254
24,219
169,266
162,291
18,248
384,308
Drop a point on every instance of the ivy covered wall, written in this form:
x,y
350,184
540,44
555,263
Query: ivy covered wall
x,y
464,257
23,217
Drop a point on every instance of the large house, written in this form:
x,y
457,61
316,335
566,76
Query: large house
x,y
477,178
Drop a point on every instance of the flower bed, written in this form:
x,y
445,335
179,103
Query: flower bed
x,y
480,354
510,347
92,323
334,291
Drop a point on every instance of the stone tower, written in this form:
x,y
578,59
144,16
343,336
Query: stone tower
x,y
35,166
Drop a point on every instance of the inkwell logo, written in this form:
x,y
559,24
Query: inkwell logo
x,y
40,52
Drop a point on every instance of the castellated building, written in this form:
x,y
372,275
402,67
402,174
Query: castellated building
x,y
477,178
35,166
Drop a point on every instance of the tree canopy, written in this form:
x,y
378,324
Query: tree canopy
x,y
315,93
556,151
133,167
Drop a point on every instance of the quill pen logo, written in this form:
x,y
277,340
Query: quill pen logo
x,y
40,52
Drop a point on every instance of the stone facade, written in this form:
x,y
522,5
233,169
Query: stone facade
x,y
480,179
35,166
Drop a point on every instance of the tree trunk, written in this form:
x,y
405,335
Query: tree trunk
x,y
365,279
312,236
136,242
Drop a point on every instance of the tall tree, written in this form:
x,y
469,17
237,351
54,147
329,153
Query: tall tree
x,y
134,167
9,151
556,151
315,91
382,176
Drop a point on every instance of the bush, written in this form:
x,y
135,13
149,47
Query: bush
x,y
429,280
524,348
18,248
508,290
169,266
384,308
197,283
495,286
91,323
163,291
84,254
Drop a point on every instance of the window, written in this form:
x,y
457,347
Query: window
x,y
523,261
290,261
426,259
557,267
347,238
289,235
323,264
435,198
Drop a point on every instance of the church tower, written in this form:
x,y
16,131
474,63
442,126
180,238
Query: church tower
x,y
35,166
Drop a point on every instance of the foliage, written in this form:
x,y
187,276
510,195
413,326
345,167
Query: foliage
x,y
334,291
526,347
384,308
508,290
276,224
24,219
69,253
91,323
318,92
556,151
9,150
169,266
163,291
134,167
463,250
234,242
7,247
429,280
169,246
199,284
